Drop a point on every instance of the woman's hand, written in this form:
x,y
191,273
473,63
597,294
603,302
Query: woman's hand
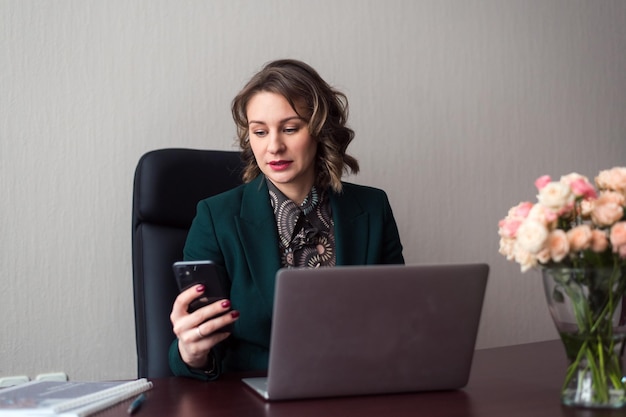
x,y
197,331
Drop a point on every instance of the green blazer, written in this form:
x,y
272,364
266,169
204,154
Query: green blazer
x,y
237,230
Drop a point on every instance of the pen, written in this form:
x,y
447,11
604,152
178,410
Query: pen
x,y
134,406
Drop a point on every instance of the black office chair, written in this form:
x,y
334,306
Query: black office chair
x,y
168,184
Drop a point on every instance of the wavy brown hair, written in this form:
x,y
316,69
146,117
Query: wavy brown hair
x,y
327,114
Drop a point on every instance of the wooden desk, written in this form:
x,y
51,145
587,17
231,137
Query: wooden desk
x,y
522,380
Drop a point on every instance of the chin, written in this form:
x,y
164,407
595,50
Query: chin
x,y
280,179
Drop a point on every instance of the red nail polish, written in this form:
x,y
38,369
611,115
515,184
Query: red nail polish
x,y
226,303
200,288
234,314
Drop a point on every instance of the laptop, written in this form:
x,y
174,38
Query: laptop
x,y
380,329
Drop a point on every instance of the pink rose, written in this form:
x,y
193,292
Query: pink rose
x,y
522,209
579,238
582,188
542,181
599,241
508,227
608,208
558,245
579,184
516,215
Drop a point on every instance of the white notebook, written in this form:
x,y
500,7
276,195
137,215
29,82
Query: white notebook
x,y
54,398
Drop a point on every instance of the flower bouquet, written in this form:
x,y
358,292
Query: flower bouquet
x,y
576,233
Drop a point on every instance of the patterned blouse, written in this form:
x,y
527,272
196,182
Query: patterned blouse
x,y
306,232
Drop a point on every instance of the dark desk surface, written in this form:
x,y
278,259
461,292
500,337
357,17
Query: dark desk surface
x,y
521,380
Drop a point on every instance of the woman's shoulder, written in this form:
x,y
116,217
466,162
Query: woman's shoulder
x,y
234,196
228,195
362,190
363,196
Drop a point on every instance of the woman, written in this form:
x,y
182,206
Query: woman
x,y
292,211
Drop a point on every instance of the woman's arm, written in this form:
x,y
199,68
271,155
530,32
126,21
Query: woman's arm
x,y
195,352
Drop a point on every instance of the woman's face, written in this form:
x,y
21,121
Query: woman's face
x,y
282,146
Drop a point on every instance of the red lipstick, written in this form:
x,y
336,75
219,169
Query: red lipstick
x,y
279,165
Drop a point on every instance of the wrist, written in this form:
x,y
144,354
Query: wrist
x,y
209,368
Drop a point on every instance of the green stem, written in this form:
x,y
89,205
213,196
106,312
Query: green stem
x,y
598,345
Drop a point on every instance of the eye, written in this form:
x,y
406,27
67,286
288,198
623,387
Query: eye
x,y
291,130
259,133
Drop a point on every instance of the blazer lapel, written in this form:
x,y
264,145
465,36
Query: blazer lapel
x,y
259,238
351,236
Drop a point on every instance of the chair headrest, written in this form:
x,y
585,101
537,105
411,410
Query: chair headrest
x,y
169,183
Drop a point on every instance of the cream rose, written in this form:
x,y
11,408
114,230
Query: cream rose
x,y
543,215
525,259
574,176
532,236
507,248
556,196
543,256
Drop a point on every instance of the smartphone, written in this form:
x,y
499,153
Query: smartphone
x,y
189,273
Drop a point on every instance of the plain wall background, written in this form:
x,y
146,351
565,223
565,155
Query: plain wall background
x,y
458,107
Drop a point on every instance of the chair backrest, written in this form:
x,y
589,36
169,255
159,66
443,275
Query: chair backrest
x,y
168,184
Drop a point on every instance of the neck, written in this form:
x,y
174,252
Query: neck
x,y
296,193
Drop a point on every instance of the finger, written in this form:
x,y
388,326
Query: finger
x,y
181,304
194,353
214,309
214,325
181,323
200,334
195,342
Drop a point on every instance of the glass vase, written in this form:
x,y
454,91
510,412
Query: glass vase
x,y
587,306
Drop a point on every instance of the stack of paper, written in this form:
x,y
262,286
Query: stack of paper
x,y
76,399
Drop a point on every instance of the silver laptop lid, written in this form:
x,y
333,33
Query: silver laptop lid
x,y
374,329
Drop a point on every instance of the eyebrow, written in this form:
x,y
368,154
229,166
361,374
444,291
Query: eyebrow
x,y
280,121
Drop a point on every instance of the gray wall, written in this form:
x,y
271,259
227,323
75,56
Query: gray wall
x,y
458,106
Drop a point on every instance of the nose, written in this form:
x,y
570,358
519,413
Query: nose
x,y
275,142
